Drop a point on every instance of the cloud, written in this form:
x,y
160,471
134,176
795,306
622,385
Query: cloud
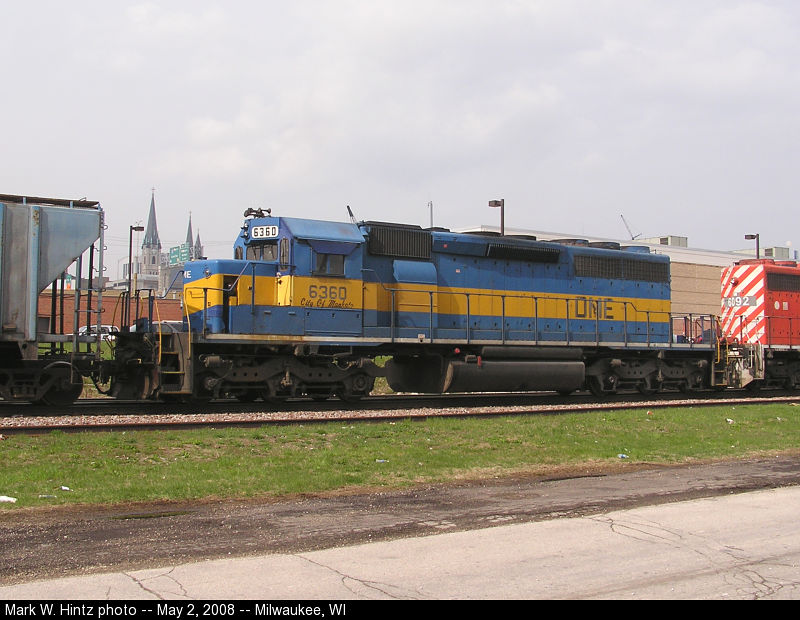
x,y
153,19
574,111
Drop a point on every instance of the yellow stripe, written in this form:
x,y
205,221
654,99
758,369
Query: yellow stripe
x,y
322,292
514,304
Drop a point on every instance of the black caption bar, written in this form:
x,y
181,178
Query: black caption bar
x,y
105,610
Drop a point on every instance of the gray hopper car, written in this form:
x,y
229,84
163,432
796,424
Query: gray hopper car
x,y
41,356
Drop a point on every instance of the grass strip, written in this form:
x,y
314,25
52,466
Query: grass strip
x,y
275,461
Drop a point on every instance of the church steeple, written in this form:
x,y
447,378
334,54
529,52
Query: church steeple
x,y
151,239
189,238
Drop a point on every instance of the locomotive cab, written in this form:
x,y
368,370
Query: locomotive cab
x,y
289,276
280,318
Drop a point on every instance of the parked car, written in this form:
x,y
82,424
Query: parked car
x,y
107,332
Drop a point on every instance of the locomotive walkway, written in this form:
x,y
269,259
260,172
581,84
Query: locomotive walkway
x,y
722,530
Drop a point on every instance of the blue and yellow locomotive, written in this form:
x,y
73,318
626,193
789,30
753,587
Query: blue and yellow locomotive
x,y
306,306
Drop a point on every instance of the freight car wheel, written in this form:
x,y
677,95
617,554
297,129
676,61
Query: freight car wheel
x,y
62,392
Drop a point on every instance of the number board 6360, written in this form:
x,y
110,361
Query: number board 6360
x,y
264,232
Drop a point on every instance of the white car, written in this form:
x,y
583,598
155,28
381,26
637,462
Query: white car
x,y
107,332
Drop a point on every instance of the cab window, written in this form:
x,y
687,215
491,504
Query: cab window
x,y
262,251
328,264
284,253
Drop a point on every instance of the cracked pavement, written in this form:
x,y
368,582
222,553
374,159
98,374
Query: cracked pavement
x,y
379,545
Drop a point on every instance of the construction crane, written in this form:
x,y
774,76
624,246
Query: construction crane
x,y
629,229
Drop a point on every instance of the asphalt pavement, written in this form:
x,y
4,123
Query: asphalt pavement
x,y
740,546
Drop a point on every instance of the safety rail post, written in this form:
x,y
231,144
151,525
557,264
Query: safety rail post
x,y
136,306
503,319
89,321
392,323
253,289
625,322
536,320
430,315
469,319
566,323
150,306
205,305
596,322
53,299
671,330
77,307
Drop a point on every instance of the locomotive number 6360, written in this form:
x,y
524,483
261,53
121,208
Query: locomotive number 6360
x,y
264,232
316,291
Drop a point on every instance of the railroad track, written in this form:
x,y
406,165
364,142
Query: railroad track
x,y
112,415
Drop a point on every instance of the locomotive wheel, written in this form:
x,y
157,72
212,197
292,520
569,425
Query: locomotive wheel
x,y
648,386
693,383
595,385
204,384
247,396
602,385
349,396
356,388
173,398
271,396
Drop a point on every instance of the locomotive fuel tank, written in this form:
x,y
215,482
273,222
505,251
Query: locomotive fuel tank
x,y
491,369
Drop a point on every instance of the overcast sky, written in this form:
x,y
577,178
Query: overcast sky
x,y
681,115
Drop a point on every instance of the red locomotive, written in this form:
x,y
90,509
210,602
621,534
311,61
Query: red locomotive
x,y
761,303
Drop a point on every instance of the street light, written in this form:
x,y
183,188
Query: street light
x,y
127,309
750,238
502,204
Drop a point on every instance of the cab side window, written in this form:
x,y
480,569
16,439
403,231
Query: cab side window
x,y
283,252
328,264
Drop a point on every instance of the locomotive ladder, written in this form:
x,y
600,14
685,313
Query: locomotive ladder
x,y
719,373
173,378
93,314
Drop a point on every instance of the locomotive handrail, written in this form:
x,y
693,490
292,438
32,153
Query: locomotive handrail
x,y
249,263
180,272
535,299
719,343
